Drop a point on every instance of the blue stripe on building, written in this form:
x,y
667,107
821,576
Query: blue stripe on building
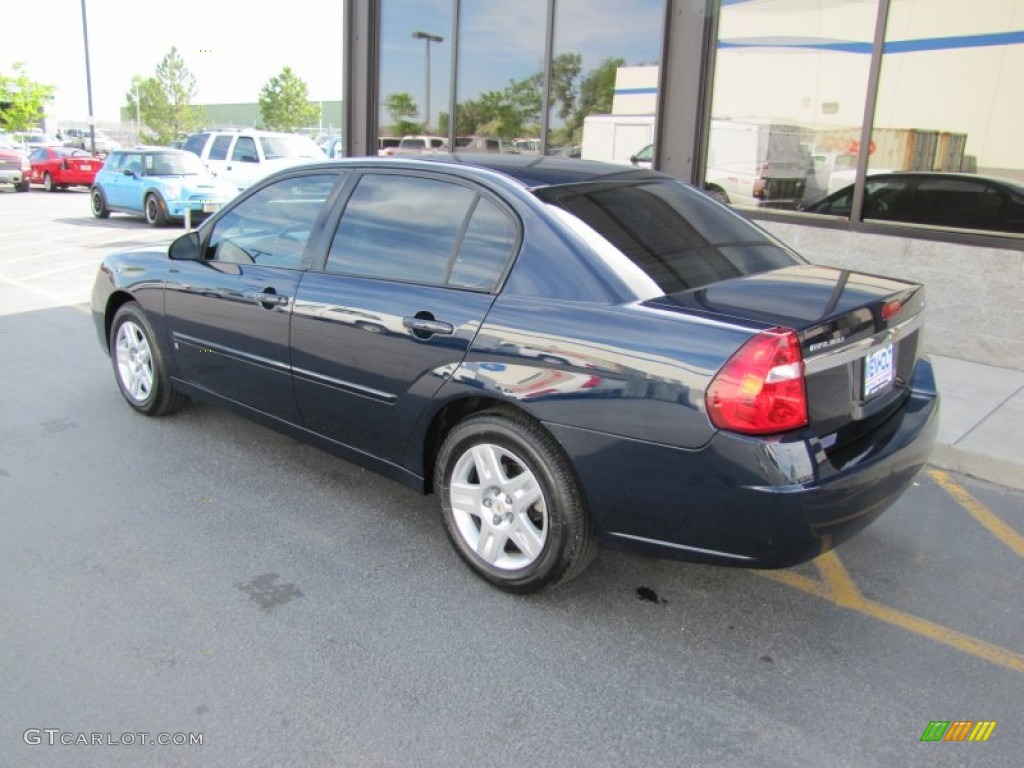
x,y
895,46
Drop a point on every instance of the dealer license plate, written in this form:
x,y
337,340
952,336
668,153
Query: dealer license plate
x,y
86,167
211,207
878,370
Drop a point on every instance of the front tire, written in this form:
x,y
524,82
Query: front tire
x,y
139,364
156,216
99,205
511,504
22,186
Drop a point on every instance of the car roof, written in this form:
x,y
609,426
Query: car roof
x,y
947,175
544,171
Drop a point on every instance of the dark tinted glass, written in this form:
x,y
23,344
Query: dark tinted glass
x,y
271,227
486,248
219,150
676,235
196,142
400,228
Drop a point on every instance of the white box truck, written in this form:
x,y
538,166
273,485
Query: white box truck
x,y
760,163
615,138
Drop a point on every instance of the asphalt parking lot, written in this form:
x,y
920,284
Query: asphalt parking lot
x,y
203,575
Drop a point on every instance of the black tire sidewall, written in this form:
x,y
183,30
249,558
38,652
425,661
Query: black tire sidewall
x,y
558,495
99,211
158,218
132,312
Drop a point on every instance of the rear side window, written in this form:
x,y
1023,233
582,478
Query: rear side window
x,y
677,237
420,230
245,150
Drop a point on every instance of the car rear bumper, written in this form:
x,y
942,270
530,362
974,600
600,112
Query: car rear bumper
x,y
750,501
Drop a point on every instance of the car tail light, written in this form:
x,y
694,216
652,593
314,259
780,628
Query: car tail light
x,y
891,308
759,187
760,390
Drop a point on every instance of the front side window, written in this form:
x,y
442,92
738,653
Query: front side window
x,y
420,230
273,226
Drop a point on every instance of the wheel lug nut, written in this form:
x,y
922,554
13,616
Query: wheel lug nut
x,y
497,520
487,502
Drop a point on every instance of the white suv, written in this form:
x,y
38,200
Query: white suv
x,y
244,157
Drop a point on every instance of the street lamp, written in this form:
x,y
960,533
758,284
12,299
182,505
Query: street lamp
x,y
427,40
88,83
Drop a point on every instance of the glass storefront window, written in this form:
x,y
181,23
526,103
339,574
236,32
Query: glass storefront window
x,y
415,69
949,102
604,80
501,75
790,85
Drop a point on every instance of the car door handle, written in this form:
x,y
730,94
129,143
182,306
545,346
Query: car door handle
x,y
423,325
271,298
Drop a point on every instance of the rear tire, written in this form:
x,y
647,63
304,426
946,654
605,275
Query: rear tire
x,y
511,504
98,204
139,364
48,183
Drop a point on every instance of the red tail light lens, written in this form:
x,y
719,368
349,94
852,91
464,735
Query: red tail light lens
x,y
760,390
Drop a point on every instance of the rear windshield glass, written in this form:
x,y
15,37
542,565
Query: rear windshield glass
x,y
677,237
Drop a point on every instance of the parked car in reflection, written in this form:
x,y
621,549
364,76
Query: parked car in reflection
x,y
58,168
644,158
957,200
159,184
83,138
565,352
485,144
421,145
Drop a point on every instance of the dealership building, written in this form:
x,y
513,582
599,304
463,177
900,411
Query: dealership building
x,y
769,104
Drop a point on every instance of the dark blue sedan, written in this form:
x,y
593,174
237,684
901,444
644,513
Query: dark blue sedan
x,y
567,353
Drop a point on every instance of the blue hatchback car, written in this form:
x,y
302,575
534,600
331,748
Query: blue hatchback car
x,y
158,183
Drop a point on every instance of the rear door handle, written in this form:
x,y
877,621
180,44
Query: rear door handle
x,y
271,298
425,326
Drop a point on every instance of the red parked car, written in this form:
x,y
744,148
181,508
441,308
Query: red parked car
x,y
62,167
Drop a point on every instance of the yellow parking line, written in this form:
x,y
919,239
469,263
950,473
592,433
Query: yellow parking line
x,y
838,588
52,297
979,511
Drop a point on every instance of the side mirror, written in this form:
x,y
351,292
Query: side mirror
x,y
185,248
633,159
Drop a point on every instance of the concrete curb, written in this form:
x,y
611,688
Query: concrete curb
x,y
980,466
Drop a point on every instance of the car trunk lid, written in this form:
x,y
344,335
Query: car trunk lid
x,y
859,336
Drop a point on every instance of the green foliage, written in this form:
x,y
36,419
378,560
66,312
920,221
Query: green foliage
x,y
22,100
284,103
401,107
165,100
517,110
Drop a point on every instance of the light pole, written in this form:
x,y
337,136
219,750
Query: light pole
x,y
88,83
427,40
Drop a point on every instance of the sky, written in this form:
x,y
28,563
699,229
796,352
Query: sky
x,y
232,47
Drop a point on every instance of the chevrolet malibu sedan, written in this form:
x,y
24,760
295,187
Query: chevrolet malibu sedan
x,y
565,353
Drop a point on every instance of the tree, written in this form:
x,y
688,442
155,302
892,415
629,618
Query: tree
x,y
401,107
22,100
284,103
165,100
